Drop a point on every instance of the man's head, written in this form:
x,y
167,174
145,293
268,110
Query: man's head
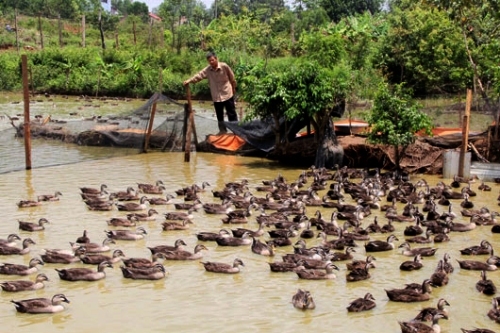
x,y
212,59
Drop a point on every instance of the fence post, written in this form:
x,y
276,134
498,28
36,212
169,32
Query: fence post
x,y
17,32
465,133
83,31
27,127
41,30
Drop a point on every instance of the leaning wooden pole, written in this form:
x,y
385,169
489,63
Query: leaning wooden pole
x,y
465,134
27,127
189,127
17,30
150,125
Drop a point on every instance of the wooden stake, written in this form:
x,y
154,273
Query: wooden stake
x,y
150,127
27,127
59,25
83,30
17,32
189,127
41,30
133,30
465,134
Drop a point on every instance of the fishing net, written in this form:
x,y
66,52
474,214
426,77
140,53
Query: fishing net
x,y
161,116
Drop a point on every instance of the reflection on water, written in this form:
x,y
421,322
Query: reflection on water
x,y
190,299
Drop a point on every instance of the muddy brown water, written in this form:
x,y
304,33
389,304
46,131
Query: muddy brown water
x,y
190,299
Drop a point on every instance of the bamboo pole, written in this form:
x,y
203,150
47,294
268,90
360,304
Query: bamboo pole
x,y
150,126
465,134
17,32
83,30
189,127
41,30
27,127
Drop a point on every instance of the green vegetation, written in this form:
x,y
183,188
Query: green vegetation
x,y
295,61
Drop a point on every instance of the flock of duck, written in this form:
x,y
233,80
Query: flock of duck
x,y
280,213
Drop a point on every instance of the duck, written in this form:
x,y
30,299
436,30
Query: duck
x,y
93,190
138,262
150,215
178,246
128,195
156,188
95,247
220,267
49,197
179,216
412,265
238,232
285,266
421,239
477,330
100,206
426,314
133,206
23,285
318,274
361,263
84,274
186,255
489,265
184,225
486,286
96,259
440,276
462,227
234,241
195,205
415,326
83,238
18,269
307,233
359,274
466,204
30,226
28,203
379,245
209,236
122,222
423,251
8,250
239,216
10,240
155,272
55,257
125,234
303,300
410,295
414,230
362,304
41,305
494,312
483,248
341,256
262,248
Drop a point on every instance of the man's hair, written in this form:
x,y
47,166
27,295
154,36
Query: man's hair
x,y
211,54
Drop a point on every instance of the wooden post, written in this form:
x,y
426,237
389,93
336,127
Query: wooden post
x,y
117,41
465,133
31,83
150,127
41,30
27,127
17,32
59,24
133,30
83,30
187,147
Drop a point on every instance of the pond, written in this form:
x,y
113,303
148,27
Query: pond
x,y
190,298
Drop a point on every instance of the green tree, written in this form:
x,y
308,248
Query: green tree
x,y
395,119
338,9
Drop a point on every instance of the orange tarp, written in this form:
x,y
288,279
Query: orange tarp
x,y
229,142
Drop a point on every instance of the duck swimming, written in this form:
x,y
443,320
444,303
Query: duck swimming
x,y
186,255
423,251
8,250
412,265
485,285
133,206
219,267
49,197
362,304
303,300
125,234
415,326
84,274
23,285
149,216
30,226
41,305
428,313
410,295
379,245
178,246
96,259
318,274
10,240
155,272
18,269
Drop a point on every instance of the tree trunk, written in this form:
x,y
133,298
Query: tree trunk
x,y
83,30
40,29
329,152
103,43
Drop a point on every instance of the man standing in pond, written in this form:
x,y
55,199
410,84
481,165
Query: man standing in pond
x,y
222,88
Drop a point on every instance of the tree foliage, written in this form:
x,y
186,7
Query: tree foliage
x,y
396,118
339,9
